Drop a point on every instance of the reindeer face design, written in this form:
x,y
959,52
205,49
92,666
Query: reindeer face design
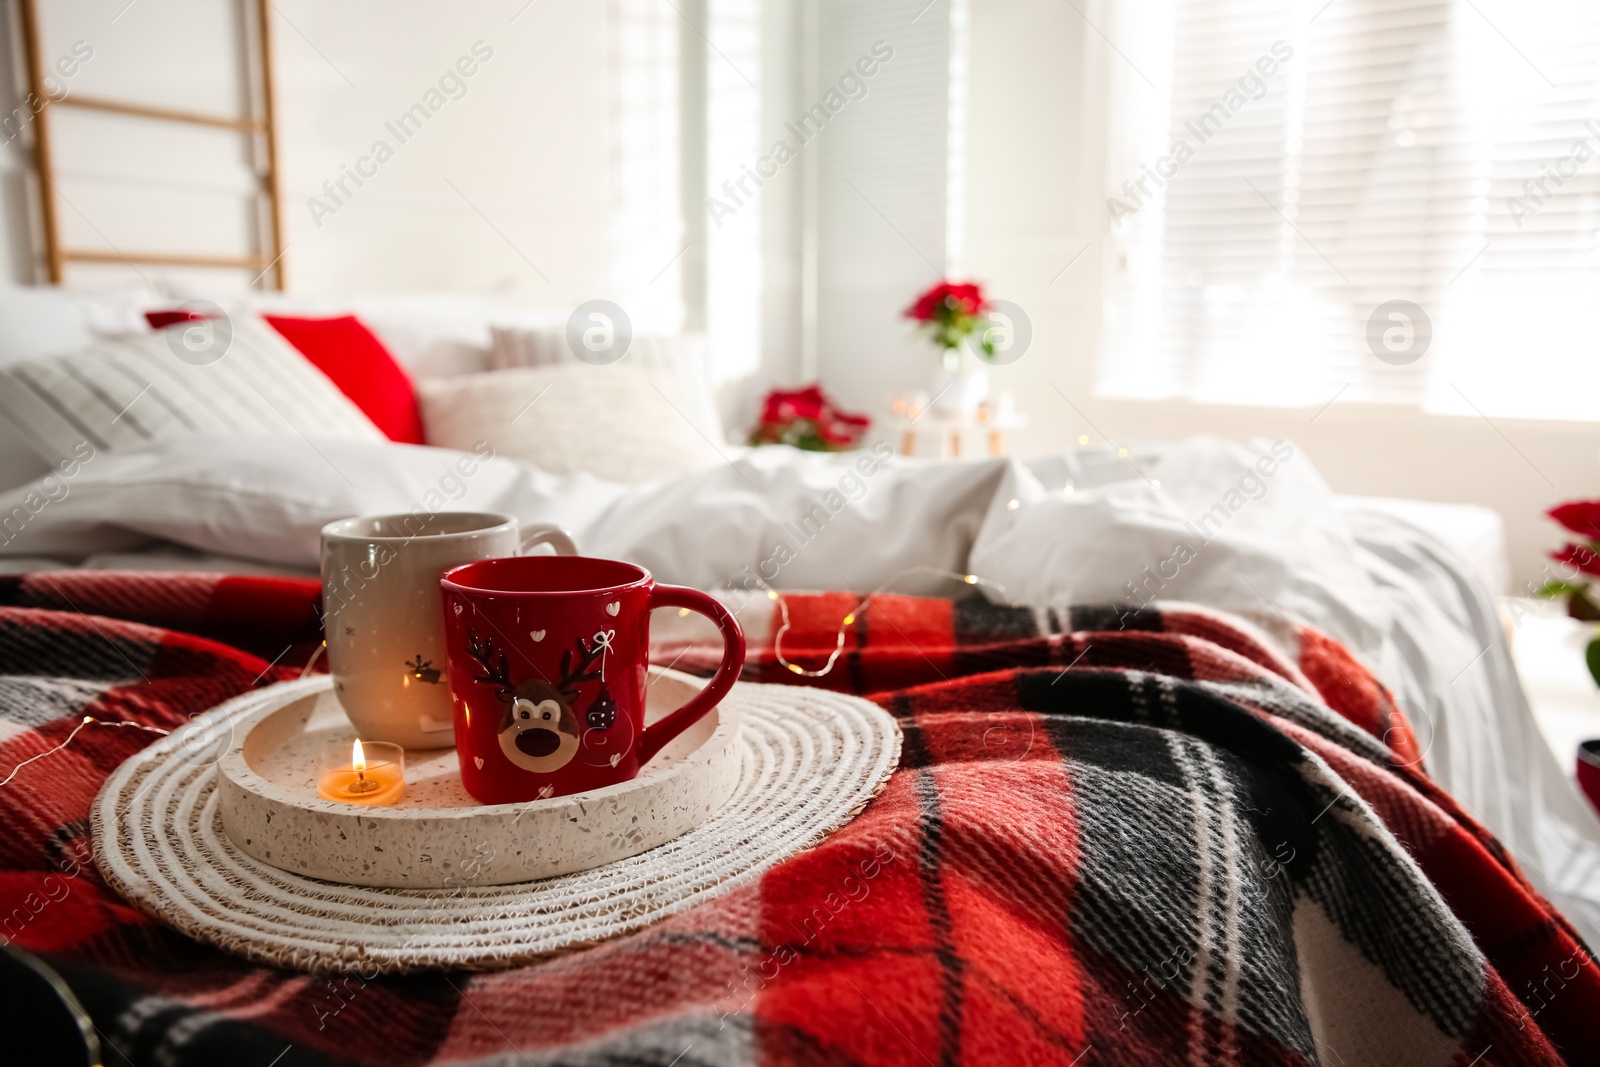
x,y
538,731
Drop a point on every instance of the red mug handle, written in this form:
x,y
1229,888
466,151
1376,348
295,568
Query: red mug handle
x,y
677,596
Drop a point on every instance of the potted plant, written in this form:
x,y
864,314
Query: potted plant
x,y
1580,561
949,314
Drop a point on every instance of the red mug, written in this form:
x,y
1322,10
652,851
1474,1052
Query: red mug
x,y
1589,770
548,658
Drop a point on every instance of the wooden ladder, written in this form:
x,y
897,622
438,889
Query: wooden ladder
x,y
261,129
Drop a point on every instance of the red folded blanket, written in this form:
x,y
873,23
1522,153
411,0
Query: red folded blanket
x,y
1114,838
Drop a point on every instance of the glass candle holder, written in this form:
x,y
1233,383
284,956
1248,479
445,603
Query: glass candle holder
x,y
366,772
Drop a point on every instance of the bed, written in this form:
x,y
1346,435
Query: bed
x,y
1247,529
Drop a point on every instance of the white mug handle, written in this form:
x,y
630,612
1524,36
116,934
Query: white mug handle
x,y
546,533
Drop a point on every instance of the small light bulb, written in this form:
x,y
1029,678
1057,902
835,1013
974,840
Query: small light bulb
x,y
1083,438
772,594
682,612
849,620
1067,490
797,668
1123,452
1013,505
971,579
1154,484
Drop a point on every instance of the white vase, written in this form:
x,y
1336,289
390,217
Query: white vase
x,y
962,385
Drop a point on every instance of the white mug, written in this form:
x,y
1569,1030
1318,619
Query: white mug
x,y
382,613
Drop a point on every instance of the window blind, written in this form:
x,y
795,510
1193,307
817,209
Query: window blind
x,y
1280,171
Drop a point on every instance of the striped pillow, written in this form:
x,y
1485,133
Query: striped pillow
x,y
129,392
510,346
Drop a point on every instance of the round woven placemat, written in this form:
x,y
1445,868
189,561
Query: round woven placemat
x,y
811,760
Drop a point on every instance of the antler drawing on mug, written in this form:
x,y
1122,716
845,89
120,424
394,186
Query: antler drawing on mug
x,y
572,678
497,675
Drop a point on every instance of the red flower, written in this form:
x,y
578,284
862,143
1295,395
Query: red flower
x,y
807,418
964,298
1582,557
1579,516
786,406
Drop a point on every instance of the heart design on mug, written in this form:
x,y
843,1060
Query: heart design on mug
x,y
616,758
458,607
613,607
546,792
479,761
537,635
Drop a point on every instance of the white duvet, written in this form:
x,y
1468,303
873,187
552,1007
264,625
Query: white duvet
x,y
1250,528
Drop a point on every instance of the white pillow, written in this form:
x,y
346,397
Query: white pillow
x,y
510,347
1241,526
267,499
430,334
20,461
130,392
618,423
679,360
39,321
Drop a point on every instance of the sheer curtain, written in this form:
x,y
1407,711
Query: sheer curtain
x,y
1280,171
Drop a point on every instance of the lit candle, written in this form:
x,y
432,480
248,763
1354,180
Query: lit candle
x,y
374,773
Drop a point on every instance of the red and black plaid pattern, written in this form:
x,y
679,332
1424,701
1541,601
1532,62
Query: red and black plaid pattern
x,y
1113,839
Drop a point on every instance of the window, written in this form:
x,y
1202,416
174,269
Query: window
x,y
1280,171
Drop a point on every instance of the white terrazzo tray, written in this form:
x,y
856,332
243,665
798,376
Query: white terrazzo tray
x,y
437,834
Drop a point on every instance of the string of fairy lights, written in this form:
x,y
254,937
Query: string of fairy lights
x,y
88,720
856,612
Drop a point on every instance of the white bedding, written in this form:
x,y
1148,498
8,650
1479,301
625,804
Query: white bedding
x,y
1259,533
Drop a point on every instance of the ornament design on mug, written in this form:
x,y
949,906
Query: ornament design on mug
x,y
423,670
538,730
613,607
603,712
537,635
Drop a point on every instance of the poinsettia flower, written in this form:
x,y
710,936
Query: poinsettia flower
x,y
807,418
786,405
968,298
1579,516
1582,557
947,298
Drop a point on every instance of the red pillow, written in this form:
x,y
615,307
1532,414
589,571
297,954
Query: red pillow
x,y
356,361
160,320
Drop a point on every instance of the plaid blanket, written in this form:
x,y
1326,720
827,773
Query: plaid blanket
x,y
1153,837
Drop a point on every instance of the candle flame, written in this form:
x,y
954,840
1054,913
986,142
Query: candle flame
x,y
358,758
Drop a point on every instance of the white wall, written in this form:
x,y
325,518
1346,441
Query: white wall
x,y
530,145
